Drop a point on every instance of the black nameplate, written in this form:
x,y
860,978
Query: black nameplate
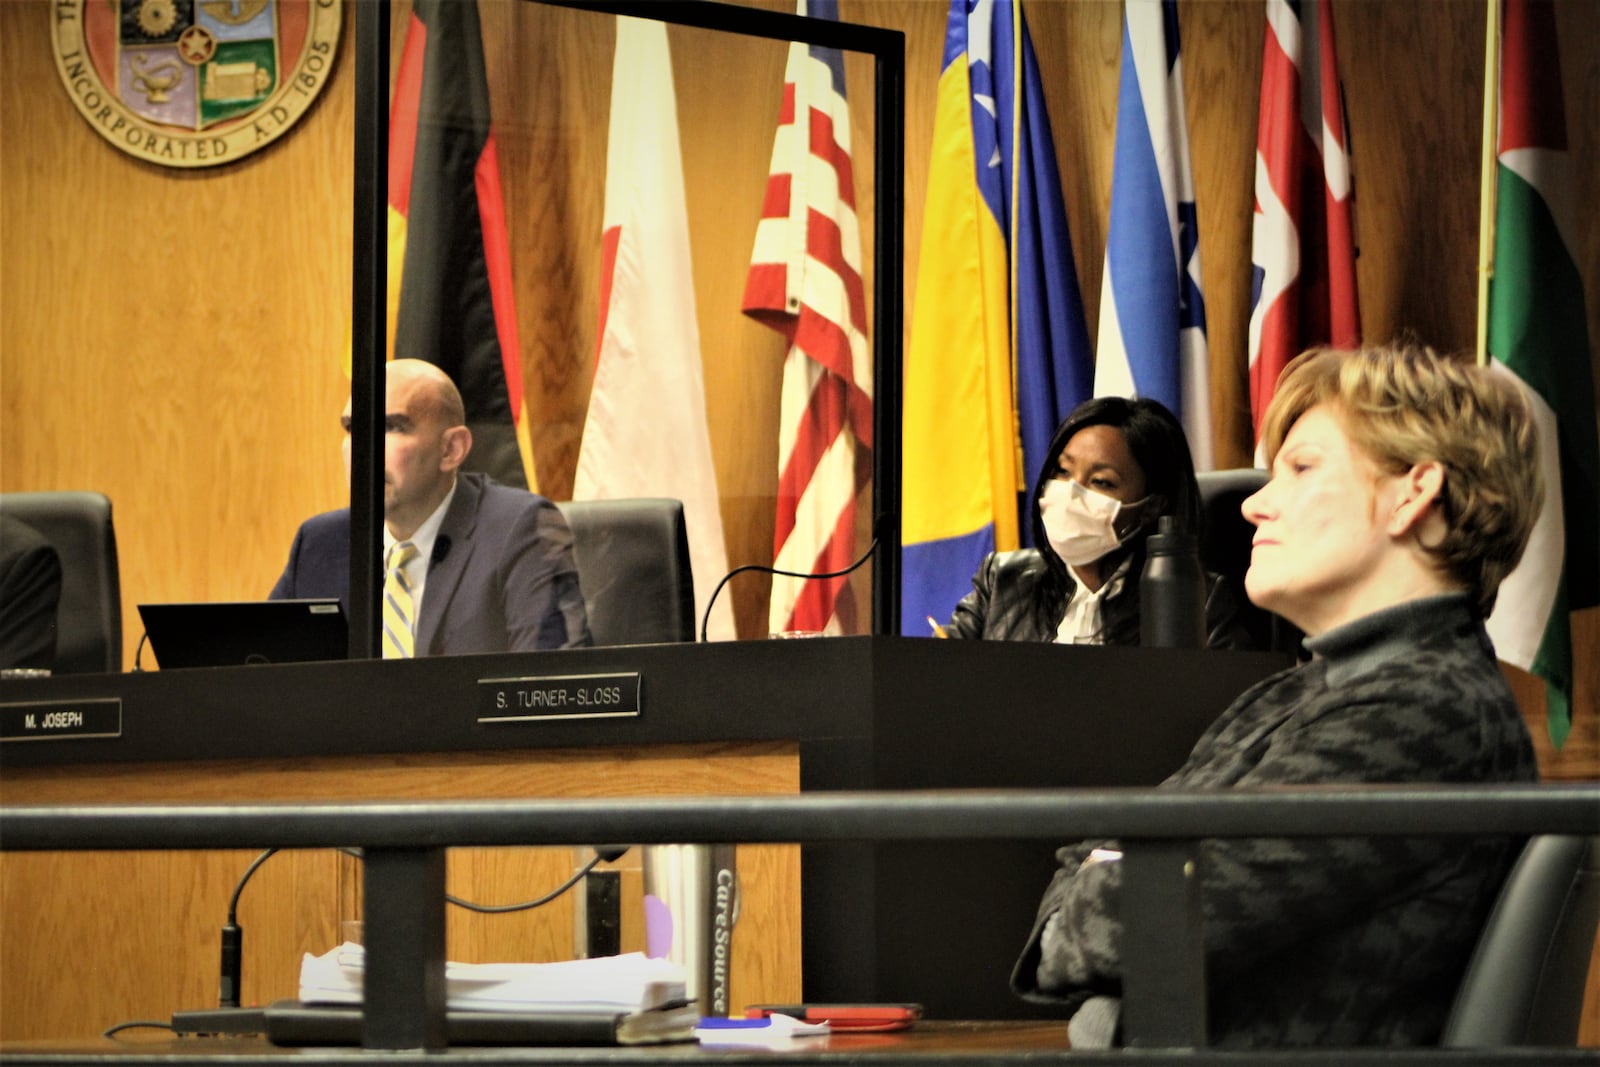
x,y
61,720
564,696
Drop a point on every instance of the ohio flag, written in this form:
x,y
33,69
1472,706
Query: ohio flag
x,y
805,282
999,352
1538,333
1152,314
1303,248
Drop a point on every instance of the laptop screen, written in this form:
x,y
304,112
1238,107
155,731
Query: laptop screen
x,y
227,634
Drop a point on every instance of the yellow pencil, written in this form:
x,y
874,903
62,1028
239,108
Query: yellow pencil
x,y
938,631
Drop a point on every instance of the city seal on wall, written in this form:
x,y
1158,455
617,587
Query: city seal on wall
x,y
194,83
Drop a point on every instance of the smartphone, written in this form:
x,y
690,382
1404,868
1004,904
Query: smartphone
x,y
853,1018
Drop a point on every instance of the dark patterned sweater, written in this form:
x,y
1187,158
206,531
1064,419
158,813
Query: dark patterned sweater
x,y
1326,941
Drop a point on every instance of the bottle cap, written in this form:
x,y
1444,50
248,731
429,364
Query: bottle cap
x,y
1170,537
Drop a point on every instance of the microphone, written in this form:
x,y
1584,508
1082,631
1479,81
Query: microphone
x,y
882,526
441,549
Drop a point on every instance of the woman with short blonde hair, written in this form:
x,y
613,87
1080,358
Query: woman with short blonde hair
x,y
1404,488
1402,404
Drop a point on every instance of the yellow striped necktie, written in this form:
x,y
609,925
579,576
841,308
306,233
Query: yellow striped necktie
x,y
399,611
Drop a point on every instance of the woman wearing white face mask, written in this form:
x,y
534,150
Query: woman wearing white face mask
x,y
1114,466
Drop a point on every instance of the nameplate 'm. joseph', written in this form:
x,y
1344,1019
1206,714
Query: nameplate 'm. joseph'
x,y
60,720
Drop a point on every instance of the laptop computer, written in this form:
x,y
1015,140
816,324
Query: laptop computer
x,y
230,633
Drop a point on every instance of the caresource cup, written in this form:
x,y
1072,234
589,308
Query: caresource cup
x,y
691,902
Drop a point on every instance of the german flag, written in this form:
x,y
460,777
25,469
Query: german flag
x,y
450,297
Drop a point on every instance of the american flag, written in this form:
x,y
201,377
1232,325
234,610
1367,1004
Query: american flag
x,y
1303,248
805,282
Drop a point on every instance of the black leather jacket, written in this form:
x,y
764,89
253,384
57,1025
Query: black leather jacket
x,y
1011,600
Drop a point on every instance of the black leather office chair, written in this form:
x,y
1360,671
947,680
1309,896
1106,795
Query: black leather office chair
x,y
1225,536
633,561
1525,982
89,618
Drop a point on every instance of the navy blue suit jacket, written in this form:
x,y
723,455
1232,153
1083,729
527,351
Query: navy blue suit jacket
x,y
502,579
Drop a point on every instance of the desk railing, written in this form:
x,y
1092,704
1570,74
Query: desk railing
x,y
1164,993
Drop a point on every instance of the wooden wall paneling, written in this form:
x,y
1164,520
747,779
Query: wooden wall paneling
x,y
163,911
1415,167
94,939
1578,25
172,338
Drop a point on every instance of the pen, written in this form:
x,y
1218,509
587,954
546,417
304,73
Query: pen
x,y
938,631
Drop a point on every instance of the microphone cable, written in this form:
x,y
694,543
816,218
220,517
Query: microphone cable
x,y
233,938
878,531
606,855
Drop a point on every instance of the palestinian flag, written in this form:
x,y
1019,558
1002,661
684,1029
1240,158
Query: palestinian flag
x,y
1538,332
450,297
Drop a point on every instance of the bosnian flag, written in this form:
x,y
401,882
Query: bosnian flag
x,y
1152,313
1303,246
646,431
998,353
805,282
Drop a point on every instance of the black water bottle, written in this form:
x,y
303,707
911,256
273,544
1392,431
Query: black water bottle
x,y
1172,590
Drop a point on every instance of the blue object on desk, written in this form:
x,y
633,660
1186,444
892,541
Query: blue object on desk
x,y
760,1031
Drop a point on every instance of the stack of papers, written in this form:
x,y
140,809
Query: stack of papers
x,y
617,985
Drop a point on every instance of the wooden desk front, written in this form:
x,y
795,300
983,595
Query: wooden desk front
x,y
931,1042
89,940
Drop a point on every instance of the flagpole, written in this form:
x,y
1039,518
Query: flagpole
x,y
1487,181
1018,465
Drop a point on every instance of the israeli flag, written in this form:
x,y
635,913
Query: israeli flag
x,y
1152,313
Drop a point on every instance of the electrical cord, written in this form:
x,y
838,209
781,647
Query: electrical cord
x,y
879,532
153,1024
232,958
609,855
233,904
233,938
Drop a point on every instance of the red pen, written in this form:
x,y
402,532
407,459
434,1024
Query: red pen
x,y
856,1018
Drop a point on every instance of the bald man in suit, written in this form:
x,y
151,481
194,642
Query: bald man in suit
x,y
494,569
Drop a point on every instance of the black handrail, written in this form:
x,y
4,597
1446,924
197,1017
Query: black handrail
x,y
1164,980
1059,815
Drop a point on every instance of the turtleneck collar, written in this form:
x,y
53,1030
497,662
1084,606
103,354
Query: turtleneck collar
x,y
1367,643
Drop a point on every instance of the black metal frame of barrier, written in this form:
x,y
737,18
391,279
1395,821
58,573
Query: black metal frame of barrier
x,y
1163,1004
370,271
